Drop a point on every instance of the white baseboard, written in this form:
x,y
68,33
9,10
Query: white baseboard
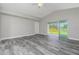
x,y
15,37
74,39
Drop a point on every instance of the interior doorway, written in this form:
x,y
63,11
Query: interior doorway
x,y
36,27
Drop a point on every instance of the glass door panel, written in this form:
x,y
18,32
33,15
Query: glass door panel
x,y
63,31
53,30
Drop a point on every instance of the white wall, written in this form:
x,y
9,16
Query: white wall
x,y
71,15
11,26
0,26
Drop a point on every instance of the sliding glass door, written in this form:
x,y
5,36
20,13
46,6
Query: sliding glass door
x,y
58,30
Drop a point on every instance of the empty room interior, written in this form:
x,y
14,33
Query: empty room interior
x,y
39,28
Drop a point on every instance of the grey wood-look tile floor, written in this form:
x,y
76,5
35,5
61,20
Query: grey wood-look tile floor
x,y
38,45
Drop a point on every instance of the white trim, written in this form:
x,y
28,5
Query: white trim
x,y
15,37
74,39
